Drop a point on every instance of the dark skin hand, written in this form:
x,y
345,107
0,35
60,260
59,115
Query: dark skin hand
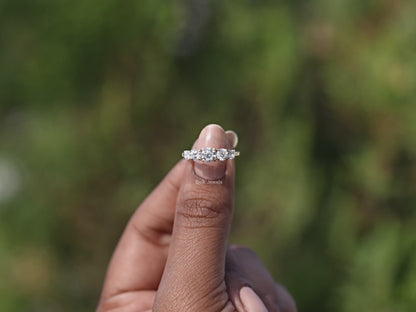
x,y
174,254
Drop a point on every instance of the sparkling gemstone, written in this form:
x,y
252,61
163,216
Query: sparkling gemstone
x,y
187,155
196,155
222,154
209,154
231,154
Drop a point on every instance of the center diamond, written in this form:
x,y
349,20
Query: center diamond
x,y
209,154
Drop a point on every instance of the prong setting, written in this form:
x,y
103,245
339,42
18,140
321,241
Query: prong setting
x,y
210,154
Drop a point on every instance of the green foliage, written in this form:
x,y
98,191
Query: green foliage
x,y
99,98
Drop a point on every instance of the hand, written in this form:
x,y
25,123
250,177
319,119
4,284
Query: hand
x,y
174,254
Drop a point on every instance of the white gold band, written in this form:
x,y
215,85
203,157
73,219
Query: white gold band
x,y
209,154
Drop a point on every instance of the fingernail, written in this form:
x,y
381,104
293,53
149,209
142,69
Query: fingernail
x,y
251,301
232,138
211,136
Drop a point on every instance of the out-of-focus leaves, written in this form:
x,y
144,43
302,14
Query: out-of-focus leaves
x,y
99,98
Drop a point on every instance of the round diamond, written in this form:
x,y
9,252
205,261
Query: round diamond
x,y
222,154
187,155
196,155
209,154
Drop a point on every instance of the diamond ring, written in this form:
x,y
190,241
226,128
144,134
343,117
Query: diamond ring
x,y
209,154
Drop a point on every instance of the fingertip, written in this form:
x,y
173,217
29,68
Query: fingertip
x,y
232,138
212,136
212,126
251,301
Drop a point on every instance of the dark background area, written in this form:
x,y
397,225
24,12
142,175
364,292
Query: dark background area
x,y
99,98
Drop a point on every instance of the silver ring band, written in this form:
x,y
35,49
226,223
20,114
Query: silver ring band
x,y
209,154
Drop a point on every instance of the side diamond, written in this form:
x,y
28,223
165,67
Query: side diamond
x,y
187,155
231,154
222,154
196,155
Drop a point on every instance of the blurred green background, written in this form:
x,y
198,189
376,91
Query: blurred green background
x,y
99,97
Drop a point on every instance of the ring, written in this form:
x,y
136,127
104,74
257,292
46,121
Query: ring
x,y
209,154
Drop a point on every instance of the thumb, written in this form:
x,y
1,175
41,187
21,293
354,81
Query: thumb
x,y
193,279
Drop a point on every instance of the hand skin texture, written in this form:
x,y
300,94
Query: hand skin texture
x,y
174,254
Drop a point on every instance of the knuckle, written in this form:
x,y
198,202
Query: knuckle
x,y
235,247
241,248
202,206
199,208
243,251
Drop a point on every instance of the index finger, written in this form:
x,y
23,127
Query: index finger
x,y
140,256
